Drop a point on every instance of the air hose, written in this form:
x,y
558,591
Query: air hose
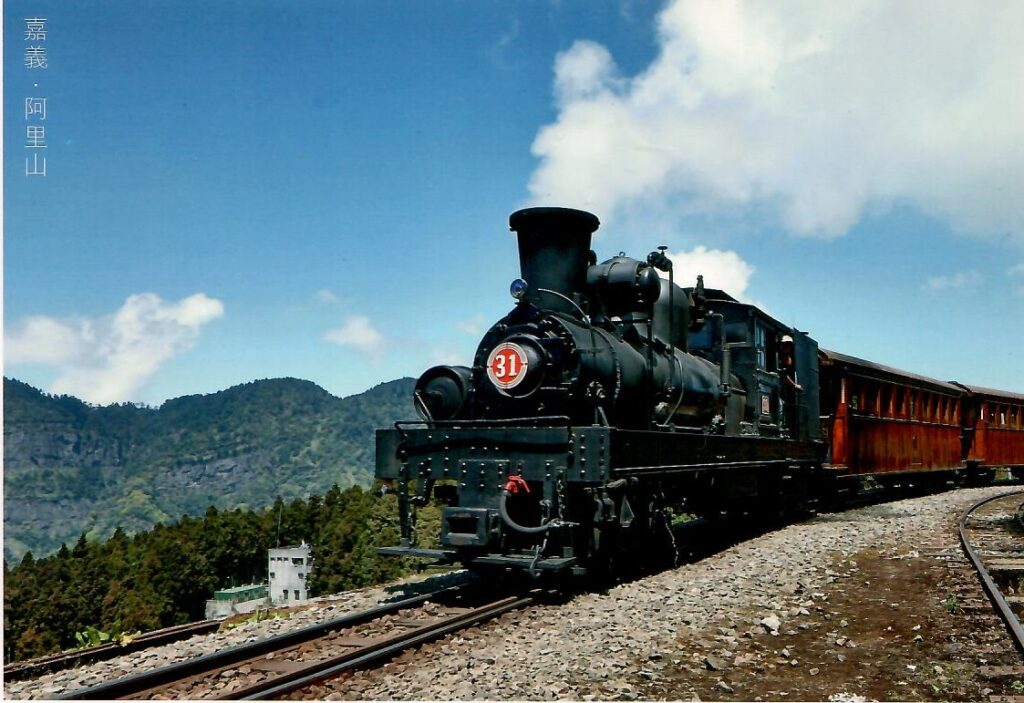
x,y
514,484
507,519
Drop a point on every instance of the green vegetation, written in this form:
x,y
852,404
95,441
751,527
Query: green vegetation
x,y
163,576
91,637
71,468
170,504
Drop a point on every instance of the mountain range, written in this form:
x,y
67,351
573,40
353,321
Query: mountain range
x,y
70,467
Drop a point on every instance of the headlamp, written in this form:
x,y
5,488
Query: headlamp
x,y
518,288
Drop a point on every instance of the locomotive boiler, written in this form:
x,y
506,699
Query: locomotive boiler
x,y
605,405
596,343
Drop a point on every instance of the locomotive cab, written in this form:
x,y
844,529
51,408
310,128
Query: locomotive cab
x,y
753,347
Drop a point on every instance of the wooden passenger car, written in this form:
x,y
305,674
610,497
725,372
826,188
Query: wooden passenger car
x,y
879,420
994,425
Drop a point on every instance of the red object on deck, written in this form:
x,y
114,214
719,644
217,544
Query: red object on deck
x,y
515,483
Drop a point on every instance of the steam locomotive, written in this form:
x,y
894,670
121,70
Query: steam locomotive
x,y
611,404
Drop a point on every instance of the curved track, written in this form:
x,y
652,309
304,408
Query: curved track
x,y
977,558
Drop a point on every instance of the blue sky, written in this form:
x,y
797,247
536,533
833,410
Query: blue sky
x,y
243,190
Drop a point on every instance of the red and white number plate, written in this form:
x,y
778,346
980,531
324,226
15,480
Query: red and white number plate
x,y
507,365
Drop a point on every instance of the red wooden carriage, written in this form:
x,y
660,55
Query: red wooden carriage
x,y
879,420
994,425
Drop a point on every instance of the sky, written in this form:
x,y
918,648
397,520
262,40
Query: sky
x,y
249,189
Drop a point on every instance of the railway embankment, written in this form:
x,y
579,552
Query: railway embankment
x,y
873,603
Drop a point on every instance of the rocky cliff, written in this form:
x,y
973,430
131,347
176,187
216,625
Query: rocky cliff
x,y
71,468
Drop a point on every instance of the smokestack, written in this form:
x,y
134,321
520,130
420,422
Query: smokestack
x,y
554,245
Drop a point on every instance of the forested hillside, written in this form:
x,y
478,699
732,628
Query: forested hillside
x,y
163,576
71,468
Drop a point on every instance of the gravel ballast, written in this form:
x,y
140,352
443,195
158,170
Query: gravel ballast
x,y
718,628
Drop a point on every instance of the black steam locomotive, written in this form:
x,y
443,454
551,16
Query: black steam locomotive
x,y
605,406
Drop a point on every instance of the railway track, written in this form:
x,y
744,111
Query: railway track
x,y
992,537
18,671
274,667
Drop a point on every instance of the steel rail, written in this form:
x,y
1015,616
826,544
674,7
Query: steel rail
x,y
329,668
17,671
991,589
135,684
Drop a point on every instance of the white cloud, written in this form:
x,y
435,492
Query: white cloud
x,y
960,280
474,326
439,356
586,70
510,35
502,48
810,111
326,296
721,269
357,332
108,359
46,341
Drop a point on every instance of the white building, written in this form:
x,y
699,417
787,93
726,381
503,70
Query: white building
x,y
232,601
289,568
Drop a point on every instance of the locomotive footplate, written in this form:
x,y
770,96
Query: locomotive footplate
x,y
499,560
